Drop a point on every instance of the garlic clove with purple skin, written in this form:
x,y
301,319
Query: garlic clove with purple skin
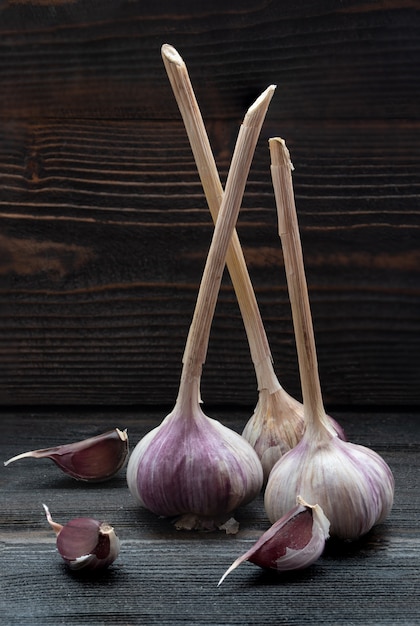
x,y
85,543
94,459
194,468
294,542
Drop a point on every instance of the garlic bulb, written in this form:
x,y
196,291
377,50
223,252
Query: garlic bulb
x,y
95,459
353,484
192,466
294,542
85,543
277,423
275,427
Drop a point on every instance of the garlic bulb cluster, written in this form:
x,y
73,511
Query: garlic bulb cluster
x,y
94,459
353,484
85,543
193,467
294,542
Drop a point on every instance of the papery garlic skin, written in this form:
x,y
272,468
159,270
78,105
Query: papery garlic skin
x,y
85,543
192,465
352,483
95,459
276,427
294,542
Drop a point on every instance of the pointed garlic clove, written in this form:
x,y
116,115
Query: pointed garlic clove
x,y
85,543
95,459
294,542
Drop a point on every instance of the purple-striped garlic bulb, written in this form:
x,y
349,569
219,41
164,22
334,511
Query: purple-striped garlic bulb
x,y
191,466
194,468
276,426
352,483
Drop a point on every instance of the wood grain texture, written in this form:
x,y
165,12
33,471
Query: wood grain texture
x,y
92,59
164,576
104,236
104,227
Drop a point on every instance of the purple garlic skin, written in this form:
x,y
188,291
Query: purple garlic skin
x,y
95,459
193,466
85,543
352,483
294,542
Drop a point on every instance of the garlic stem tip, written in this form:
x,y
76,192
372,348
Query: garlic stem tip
x,y
172,55
123,435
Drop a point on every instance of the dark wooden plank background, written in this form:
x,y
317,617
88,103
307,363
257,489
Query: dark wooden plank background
x,y
104,228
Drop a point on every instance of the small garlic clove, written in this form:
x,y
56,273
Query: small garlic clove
x,y
293,542
95,459
85,543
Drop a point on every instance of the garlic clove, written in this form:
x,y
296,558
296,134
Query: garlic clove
x,y
294,542
85,543
95,459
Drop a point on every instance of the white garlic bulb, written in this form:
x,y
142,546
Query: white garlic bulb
x,y
352,483
275,427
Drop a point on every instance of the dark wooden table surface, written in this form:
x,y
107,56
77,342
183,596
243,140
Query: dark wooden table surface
x,y
164,576
104,231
